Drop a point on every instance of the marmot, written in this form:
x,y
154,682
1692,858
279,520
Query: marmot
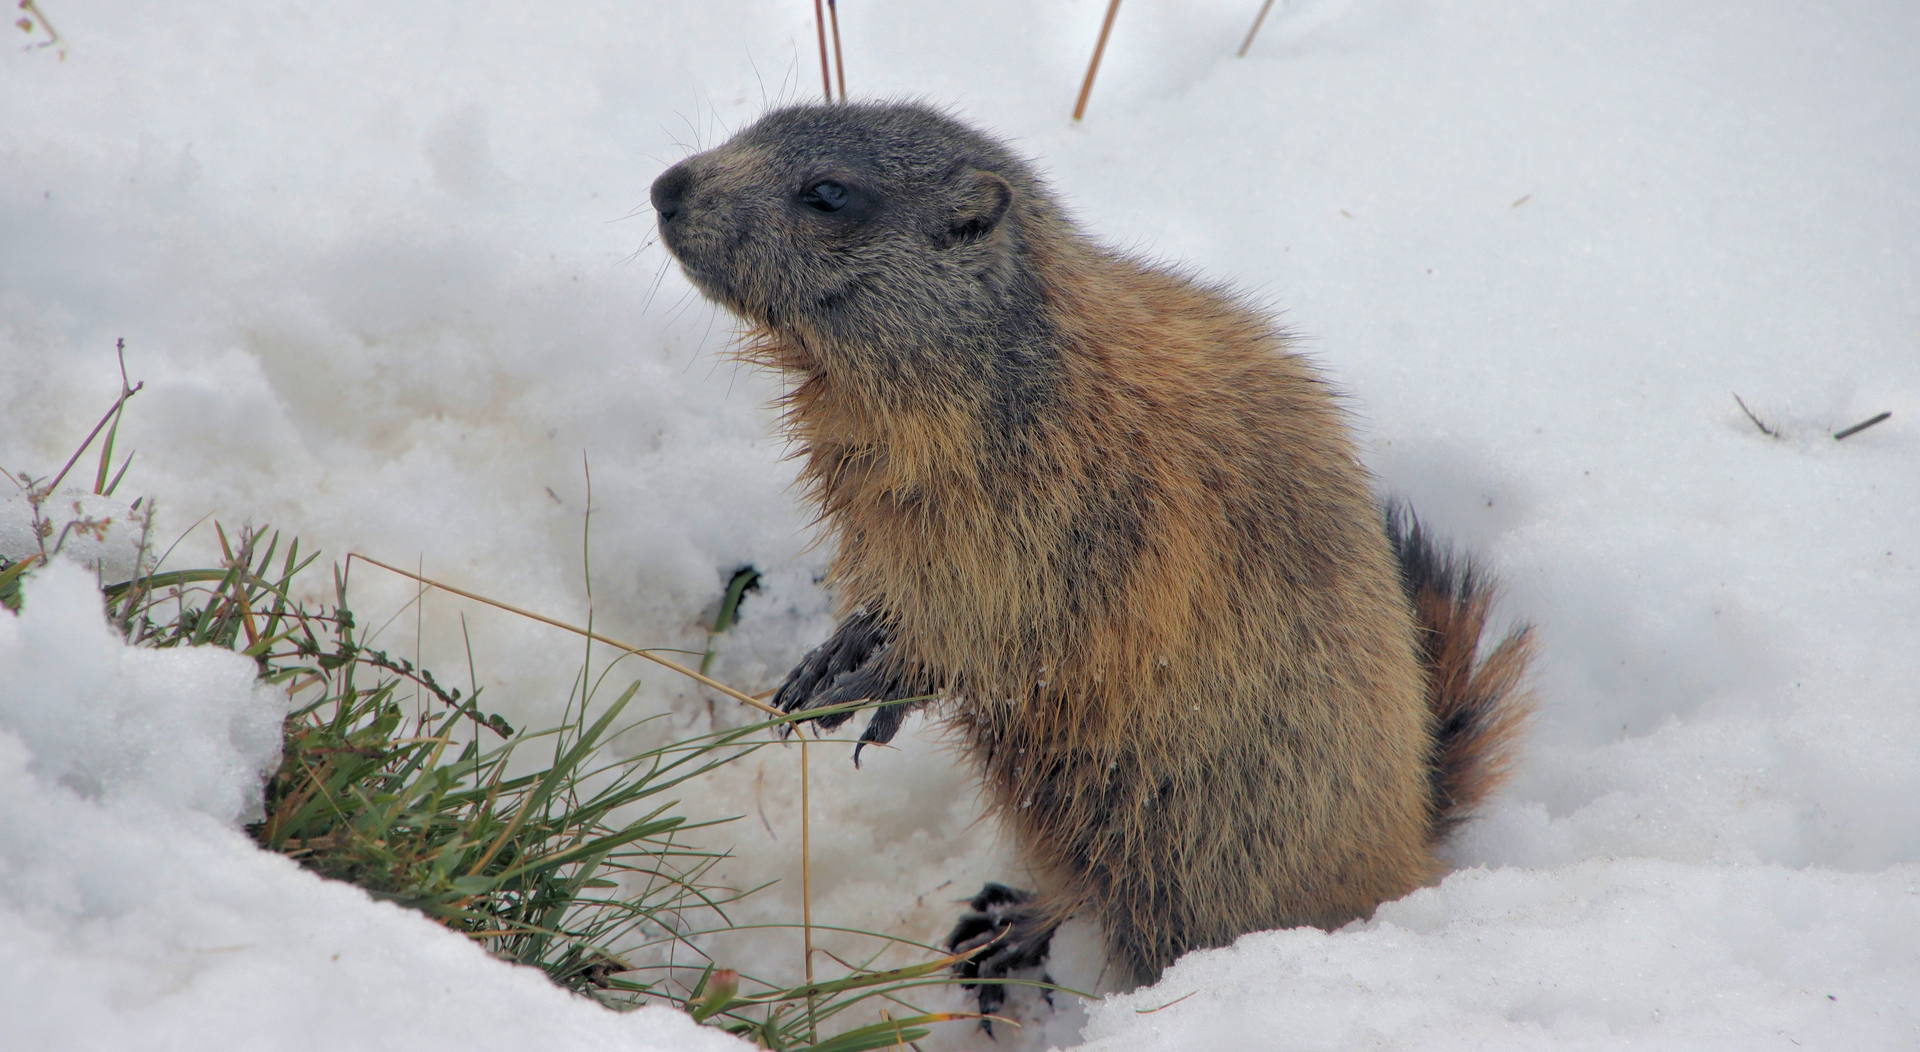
x,y
1105,513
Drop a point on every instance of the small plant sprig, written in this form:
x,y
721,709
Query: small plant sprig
x,y
33,20
39,491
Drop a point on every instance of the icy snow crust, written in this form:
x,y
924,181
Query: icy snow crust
x,y
387,272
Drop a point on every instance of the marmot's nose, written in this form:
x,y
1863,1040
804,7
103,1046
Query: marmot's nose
x,y
671,189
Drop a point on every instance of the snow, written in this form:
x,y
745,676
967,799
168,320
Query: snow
x,y
1642,953
137,915
387,274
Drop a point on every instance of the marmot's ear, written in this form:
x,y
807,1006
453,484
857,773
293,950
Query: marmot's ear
x,y
981,201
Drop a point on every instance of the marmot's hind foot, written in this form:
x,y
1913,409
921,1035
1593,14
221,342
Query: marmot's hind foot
x,y
1012,937
850,667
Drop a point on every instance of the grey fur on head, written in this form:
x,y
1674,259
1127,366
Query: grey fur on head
x,y
890,228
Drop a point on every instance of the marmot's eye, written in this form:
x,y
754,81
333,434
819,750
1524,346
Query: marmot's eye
x,y
826,196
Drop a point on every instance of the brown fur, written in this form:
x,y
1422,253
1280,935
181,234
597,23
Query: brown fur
x,y
1480,705
1105,511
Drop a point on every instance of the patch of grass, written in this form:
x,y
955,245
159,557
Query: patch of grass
x,y
433,813
531,842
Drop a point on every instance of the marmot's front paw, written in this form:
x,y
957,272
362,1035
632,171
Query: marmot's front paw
x,y
1016,936
851,666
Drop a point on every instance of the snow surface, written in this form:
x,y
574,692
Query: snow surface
x,y
135,914
387,273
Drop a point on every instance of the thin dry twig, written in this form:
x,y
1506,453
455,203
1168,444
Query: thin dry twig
x,y
1862,425
54,39
1764,429
839,69
806,891
1261,17
820,23
1086,88
1169,1004
577,630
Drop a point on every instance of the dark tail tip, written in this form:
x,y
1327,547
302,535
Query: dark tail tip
x,y
1480,704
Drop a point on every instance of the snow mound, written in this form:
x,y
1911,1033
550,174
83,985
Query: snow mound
x,y
136,915
1636,953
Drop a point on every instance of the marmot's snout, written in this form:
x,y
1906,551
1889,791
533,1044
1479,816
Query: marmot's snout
x,y
670,192
701,239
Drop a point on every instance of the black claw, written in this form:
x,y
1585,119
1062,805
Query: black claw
x,y
869,683
881,728
968,931
994,894
991,998
845,659
851,666
799,683
857,639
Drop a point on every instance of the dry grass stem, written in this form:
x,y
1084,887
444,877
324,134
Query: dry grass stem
x,y
1764,429
1093,67
1255,31
839,69
746,699
820,23
1862,425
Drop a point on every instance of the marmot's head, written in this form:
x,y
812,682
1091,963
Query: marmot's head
x,y
881,226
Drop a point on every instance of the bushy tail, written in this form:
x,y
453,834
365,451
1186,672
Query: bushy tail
x,y
1480,704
